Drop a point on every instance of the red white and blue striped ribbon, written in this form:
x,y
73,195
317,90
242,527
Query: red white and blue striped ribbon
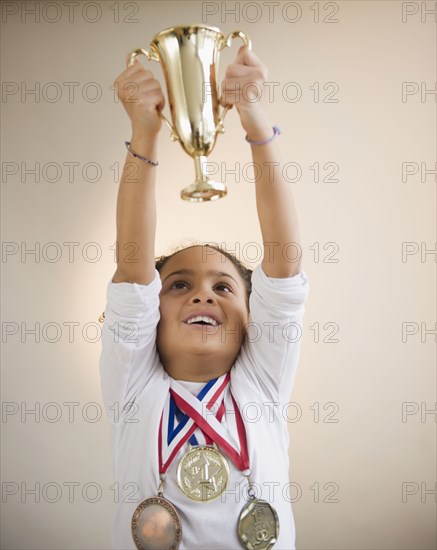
x,y
203,417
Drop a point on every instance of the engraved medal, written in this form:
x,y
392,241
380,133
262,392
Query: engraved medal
x,y
203,474
258,525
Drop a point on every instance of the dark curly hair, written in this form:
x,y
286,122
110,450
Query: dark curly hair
x,y
245,272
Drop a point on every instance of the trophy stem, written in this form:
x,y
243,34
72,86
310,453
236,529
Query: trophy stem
x,y
200,168
203,189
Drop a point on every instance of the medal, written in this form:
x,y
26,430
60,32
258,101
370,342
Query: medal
x,y
258,525
203,474
156,524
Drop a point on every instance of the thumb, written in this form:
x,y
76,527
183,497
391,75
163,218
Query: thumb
x,y
247,57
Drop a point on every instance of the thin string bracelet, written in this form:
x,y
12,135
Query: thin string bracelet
x,y
153,162
276,131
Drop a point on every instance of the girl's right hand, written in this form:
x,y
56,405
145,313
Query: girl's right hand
x,y
142,98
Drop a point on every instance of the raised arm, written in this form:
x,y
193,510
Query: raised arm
x,y
274,198
141,96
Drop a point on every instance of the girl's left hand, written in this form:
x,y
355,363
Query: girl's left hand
x,y
243,86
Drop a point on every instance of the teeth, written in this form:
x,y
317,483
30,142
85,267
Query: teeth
x,y
208,320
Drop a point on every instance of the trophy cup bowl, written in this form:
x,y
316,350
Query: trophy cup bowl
x,y
189,56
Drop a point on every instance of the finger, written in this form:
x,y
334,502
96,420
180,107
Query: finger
x,y
138,69
155,95
143,78
128,73
247,57
148,84
229,95
225,103
237,70
236,85
161,104
155,100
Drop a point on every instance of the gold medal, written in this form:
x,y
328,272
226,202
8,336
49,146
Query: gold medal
x,y
258,525
156,525
203,474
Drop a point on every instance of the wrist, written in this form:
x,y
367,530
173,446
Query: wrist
x,y
144,143
144,132
258,131
257,125
274,132
136,155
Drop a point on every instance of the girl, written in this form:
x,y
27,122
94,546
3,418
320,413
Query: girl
x,y
199,354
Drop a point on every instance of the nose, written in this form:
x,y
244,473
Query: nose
x,y
203,296
198,300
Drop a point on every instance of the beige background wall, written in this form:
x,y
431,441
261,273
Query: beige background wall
x,y
363,472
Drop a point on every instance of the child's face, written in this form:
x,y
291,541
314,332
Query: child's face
x,y
201,282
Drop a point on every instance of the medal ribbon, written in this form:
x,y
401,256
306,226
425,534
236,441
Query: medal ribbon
x,y
210,425
171,439
182,418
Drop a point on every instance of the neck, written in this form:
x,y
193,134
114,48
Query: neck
x,y
196,369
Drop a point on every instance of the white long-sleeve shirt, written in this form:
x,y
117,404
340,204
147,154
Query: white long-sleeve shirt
x,y
135,387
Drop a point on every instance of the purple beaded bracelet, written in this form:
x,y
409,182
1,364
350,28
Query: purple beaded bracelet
x,y
153,162
276,131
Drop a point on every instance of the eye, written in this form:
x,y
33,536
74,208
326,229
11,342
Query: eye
x,y
178,285
223,287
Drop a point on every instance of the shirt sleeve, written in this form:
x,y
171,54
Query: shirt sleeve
x,y
128,356
270,352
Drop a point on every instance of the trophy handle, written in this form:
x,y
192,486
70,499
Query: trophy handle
x,y
152,56
240,34
226,44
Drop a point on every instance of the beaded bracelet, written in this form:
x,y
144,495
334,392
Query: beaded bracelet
x,y
153,162
276,131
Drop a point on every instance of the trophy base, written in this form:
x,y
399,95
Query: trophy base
x,y
203,191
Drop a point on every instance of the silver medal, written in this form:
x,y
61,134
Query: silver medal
x,y
258,525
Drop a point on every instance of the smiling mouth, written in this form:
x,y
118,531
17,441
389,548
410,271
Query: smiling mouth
x,y
202,320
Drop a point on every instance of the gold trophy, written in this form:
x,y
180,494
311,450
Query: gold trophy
x,y
189,56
